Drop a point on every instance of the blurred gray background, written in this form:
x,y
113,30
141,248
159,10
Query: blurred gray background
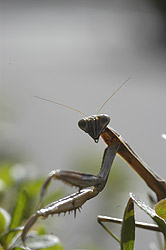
x,y
78,53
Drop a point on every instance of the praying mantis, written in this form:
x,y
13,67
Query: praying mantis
x,y
90,185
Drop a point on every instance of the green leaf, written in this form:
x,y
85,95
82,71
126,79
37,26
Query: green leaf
x,y
41,230
1,248
160,209
33,186
19,209
18,213
19,248
128,227
5,173
44,242
4,220
2,186
151,212
8,235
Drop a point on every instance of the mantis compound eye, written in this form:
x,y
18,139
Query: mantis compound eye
x,y
83,125
104,120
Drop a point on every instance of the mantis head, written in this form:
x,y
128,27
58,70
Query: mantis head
x,y
94,125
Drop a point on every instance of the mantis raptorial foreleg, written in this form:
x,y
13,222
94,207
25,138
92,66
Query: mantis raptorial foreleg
x,y
81,180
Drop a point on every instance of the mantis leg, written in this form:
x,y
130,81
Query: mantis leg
x,y
76,200
83,180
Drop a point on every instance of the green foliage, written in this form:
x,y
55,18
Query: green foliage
x,y
128,227
24,194
151,212
4,220
160,209
128,224
19,209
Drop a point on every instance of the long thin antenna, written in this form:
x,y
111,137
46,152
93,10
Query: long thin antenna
x,y
113,94
60,104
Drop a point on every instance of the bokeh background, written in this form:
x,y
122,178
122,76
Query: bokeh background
x,y
78,53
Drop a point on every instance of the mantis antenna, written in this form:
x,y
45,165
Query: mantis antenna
x,y
63,105
113,94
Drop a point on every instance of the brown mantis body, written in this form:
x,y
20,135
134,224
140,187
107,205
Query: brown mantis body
x,y
96,126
